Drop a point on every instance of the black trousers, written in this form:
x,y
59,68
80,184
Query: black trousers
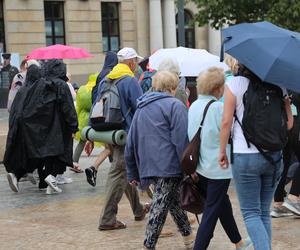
x,y
292,148
217,206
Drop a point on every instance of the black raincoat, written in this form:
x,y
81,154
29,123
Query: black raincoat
x,y
42,121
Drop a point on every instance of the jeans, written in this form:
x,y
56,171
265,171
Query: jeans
x,y
253,176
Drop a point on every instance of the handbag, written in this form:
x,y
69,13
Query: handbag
x,y
191,199
191,154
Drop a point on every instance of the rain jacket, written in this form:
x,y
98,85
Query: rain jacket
x,y
84,103
129,91
156,139
111,60
41,121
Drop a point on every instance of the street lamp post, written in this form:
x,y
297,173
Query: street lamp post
x,y
181,33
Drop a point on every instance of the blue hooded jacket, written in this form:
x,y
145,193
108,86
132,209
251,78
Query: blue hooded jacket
x,y
111,60
156,139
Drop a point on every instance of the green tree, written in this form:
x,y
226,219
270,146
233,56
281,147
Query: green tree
x,y
285,13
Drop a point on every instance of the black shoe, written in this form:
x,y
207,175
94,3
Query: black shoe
x,y
42,184
91,176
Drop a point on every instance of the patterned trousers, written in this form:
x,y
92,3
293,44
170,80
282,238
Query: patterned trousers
x,y
165,198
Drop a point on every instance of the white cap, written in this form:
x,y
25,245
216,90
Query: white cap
x,y
128,53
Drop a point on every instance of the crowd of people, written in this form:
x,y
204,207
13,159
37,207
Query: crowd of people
x,y
159,119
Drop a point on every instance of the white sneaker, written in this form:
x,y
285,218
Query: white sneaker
x,y
13,182
63,180
52,183
52,191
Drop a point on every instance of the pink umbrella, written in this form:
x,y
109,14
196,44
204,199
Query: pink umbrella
x,y
58,51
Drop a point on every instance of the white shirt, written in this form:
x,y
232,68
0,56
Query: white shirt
x,y
238,86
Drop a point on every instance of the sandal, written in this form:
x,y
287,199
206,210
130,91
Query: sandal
x,y
115,226
76,168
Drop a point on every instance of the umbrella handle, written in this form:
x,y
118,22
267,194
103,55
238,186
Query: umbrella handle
x,y
226,39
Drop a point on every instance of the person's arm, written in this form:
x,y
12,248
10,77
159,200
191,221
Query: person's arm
x,y
135,92
67,109
229,108
131,165
288,110
179,128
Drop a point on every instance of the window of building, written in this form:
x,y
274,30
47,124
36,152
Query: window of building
x,y
54,22
2,34
110,26
189,29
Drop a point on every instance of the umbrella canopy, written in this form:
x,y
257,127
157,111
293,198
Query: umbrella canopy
x,y
58,51
191,61
271,52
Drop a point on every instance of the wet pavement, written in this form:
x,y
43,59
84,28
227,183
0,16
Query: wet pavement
x,y
31,219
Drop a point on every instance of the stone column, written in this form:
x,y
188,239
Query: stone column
x,y
155,19
169,24
214,41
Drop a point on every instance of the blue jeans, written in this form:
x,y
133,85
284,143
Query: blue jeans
x,y
253,176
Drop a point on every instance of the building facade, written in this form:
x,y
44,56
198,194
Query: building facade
x,y
97,26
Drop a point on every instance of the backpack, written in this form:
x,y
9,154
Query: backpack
x,y
264,121
146,82
106,114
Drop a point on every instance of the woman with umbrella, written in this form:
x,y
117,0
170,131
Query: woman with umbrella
x,y
253,174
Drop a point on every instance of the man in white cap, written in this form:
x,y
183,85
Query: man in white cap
x,y
117,184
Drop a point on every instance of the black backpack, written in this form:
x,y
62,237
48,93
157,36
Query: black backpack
x,y
264,121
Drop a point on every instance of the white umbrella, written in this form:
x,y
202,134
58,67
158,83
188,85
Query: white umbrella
x,y
191,61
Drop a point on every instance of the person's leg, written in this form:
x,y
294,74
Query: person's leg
x,y
248,170
295,188
78,151
50,173
280,191
132,195
267,193
115,187
292,202
215,200
101,158
178,214
161,201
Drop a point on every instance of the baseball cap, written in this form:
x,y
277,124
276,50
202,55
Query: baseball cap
x,y
6,55
128,53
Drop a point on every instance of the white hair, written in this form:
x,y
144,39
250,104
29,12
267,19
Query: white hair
x,y
33,62
169,64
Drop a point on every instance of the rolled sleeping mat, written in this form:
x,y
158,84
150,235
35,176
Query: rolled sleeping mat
x,y
114,137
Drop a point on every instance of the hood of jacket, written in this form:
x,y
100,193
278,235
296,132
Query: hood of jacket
x,y
33,74
55,69
151,97
91,82
110,61
120,70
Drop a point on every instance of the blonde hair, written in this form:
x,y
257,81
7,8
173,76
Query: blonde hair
x,y
210,80
165,81
232,63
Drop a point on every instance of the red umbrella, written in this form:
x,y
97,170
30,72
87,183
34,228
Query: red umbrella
x,y
58,51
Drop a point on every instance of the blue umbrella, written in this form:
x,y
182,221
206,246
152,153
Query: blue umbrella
x,y
271,52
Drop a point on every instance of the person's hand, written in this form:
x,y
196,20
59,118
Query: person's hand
x,y
195,177
134,182
89,146
223,160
